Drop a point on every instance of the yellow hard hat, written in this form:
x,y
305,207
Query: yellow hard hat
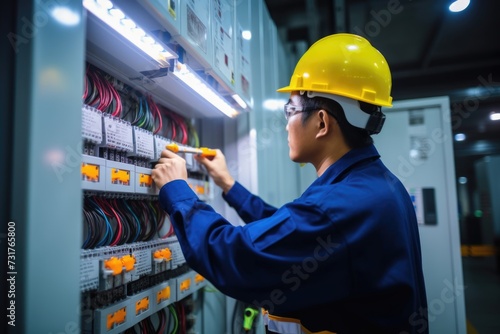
x,y
346,65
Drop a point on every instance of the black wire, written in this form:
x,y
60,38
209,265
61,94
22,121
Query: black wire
x,y
167,319
162,323
95,222
139,213
129,219
152,221
130,330
87,238
125,225
103,217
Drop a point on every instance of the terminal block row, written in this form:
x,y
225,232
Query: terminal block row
x,y
99,174
109,267
125,313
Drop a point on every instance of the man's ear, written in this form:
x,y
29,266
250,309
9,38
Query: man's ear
x,y
324,123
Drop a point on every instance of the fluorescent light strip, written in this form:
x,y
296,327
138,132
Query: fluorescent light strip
x,y
240,101
190,78
107,12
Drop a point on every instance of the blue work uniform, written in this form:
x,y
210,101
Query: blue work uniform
x,y
342,258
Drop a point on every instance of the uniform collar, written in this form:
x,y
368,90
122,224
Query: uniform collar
x,y
348,160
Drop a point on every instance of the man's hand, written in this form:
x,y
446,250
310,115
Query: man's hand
x,y
169,167
217,169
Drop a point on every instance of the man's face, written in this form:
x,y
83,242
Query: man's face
x,y
300,135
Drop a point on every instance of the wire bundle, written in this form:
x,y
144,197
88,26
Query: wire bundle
x,y
146,326
118,221
100,93
139,109
177,127
99,230
194,140
145,113
174,319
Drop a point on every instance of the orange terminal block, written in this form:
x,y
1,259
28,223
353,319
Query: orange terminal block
x,y
114,264
203,151
142,305
117,318
198,278
145,180
120,176
166,253
185,284
157,256
128,262
90,172
163,294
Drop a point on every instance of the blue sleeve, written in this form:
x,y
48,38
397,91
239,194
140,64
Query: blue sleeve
x,y
259,263
248,206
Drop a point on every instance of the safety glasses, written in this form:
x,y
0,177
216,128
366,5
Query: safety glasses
x,y
291,110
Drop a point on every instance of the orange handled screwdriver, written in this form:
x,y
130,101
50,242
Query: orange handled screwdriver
x,y
203,151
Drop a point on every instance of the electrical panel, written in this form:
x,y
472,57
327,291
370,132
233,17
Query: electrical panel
x,y
117,78
132,268
136,102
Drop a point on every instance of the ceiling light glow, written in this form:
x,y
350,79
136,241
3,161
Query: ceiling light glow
x,y
107,12
246,34
459,5
460,137
274,104
65,16
495,116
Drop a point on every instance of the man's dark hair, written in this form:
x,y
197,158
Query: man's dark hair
x,y
354,137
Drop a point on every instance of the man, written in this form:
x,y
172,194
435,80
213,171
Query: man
x,y
345,256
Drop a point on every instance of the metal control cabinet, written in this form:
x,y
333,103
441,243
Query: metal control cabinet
x,y
47,197
416,144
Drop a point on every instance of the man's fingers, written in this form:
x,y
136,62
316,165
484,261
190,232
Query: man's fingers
x,y
168,154
165,161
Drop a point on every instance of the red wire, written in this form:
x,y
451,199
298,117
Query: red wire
x,y
100,92
86,90
142,327
183,312
172,124
116,97
182,124
104,96
96,101
163,319
105,93
86,93
170,231
156,110
120,231
104,206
